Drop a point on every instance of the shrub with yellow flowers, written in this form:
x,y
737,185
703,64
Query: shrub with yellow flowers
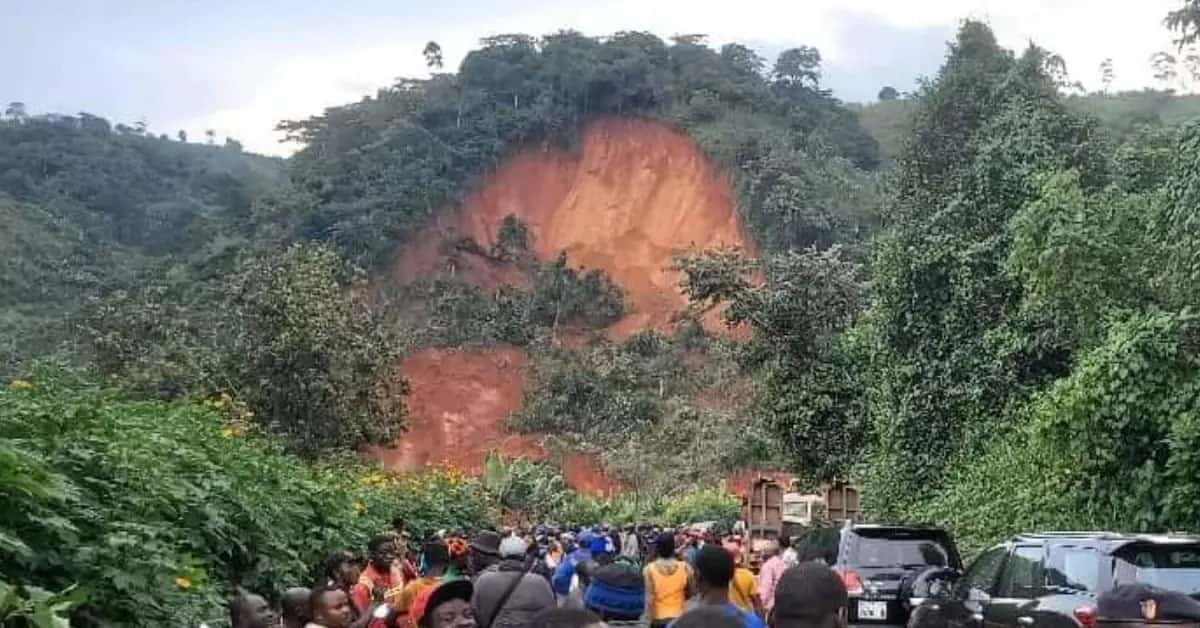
x,y
158,510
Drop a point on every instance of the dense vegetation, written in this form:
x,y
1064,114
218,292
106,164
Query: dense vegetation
x,y
1022,353
157,509
88,208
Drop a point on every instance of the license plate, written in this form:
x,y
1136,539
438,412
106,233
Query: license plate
x,y
872,610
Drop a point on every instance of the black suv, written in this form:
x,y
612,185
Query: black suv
x,y
879,562
1051,580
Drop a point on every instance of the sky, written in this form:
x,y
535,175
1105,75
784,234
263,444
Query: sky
x,y
238,67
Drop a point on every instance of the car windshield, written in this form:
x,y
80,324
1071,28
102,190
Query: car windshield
x,y
1172,567
901,548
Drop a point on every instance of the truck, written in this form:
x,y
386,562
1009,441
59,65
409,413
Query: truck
x,y
769,512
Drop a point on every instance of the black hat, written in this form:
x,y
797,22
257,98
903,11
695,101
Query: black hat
x,y
1142,601
444,592
486,542
808,592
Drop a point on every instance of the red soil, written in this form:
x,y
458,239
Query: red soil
x,y
458,403
633,194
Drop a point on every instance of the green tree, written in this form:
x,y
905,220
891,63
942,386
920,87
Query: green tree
x,y
16,111
315,358
433,55
951,351
810,386
1106,74
888,93
798,67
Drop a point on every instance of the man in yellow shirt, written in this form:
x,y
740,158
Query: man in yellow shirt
x,y
669,583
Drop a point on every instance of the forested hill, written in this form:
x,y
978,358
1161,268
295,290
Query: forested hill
x,y
382,166
86,208
1119,114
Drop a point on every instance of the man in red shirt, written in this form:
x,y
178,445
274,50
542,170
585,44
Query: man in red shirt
x,y
381,580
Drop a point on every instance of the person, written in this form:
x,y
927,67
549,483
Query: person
x,y
484,552
510,595
564,576
341,569
631,545
250,610
600,548
714,572
669,583
583,579
294,607
707,617
447,605
437,561
566,618
787,552
769,574
381,580
408,569
810,595
743,589
330,608
617,594
691,549
458,548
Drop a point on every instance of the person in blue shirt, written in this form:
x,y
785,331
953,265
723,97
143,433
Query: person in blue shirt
x,y
565,572
714,572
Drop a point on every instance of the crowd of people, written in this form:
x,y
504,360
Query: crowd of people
x,y
543,578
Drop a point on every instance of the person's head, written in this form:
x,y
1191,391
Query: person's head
x,y
932,554
664,546
398,525
330,607
586,571
770,549
707,617
294,607
458,548
598,546
785,542
447,605
714,569
250,610
484,552
382,551
809,595
513,548
566,618
437,557
342,569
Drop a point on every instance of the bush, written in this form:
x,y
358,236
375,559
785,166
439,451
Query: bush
x,y
316,354
158,509
711,504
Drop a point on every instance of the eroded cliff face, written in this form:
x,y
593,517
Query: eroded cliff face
x,y
634,194
631,196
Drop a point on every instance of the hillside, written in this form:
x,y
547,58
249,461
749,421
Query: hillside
x,y
609,156
1119,114
88,209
